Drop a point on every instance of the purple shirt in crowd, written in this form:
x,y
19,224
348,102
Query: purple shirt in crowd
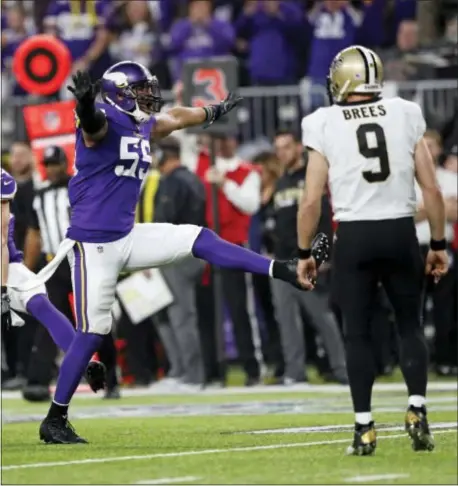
x,y
334,31
190,41
104,191
76,23
272,38
13,39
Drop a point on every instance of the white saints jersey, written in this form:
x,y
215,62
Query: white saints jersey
x,y
370,148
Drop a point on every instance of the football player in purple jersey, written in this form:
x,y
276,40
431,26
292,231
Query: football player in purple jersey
x,y
112,157
35,300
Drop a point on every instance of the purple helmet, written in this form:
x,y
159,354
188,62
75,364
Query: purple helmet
x,y
132,89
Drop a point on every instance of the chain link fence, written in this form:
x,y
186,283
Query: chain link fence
x,y
268,109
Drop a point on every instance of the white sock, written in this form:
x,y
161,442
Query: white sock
x,y
416,401
363,418
271,269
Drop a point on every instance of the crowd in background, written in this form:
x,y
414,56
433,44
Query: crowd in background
x,y
277,43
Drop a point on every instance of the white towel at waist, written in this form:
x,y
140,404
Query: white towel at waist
x,y
47,272
16,320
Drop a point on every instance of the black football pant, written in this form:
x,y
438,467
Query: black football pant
x,y
366,253
215,371
236,299
272,348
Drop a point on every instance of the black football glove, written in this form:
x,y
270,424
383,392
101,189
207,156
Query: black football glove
x,y
214,112
84,90
6,311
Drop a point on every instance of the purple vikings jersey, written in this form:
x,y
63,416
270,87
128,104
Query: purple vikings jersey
x,y
8,190
105,188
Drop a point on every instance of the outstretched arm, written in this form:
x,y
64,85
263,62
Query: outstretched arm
x,y
183,117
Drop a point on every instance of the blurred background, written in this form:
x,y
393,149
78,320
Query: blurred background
x,y
283,48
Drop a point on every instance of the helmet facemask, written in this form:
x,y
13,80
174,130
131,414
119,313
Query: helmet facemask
x,y
147,95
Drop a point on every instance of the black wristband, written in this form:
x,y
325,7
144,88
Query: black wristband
x,y
304,254
438,245
208,112
91,120
4,289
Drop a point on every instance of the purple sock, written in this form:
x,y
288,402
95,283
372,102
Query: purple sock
x,y
74,365
56,323
210,247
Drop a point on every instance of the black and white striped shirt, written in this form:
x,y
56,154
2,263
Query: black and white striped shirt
x,y
51,215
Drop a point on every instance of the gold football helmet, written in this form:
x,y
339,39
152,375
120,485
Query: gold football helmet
x,y
355,69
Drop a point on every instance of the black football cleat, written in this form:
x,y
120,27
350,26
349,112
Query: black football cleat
x,y
320,251
417,427
364,441
58,430
96,375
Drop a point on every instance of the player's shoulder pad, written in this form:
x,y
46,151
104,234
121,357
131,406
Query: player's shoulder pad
x,y
413,117
312,128
317,118
109,111
410,107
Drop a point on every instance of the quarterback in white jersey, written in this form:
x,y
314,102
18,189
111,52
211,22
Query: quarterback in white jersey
x,y
371,150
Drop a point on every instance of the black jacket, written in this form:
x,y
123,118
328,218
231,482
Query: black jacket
x,y
286,198
180,198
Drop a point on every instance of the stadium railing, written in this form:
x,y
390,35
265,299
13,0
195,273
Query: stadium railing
x,y
267,109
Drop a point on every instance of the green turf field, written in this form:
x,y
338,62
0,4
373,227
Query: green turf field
x,y
236,437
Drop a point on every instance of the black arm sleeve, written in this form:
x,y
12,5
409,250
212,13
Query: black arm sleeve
x,y
90,119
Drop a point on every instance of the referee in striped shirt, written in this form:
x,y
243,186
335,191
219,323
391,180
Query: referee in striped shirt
x,y
48,224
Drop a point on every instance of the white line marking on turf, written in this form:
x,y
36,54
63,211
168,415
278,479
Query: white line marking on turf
x,y
262,389
336,428
375,477
183,480
194,453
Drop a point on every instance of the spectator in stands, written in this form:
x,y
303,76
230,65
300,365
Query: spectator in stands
x,y
398,60
199,36
15,29
239,197
81,26
290,302
138,38
334,25
169,11
269,31
262,241
401,10
443,293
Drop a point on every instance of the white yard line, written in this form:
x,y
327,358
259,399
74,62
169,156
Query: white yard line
x,y
335,428
203,452
375,477
257,390
183,480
